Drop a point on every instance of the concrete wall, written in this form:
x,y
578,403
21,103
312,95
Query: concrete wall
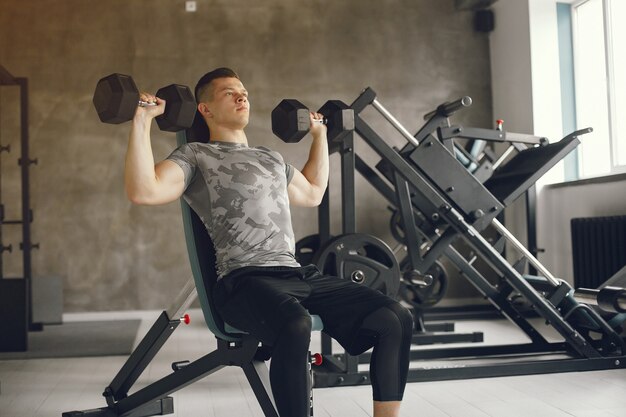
x,y
511,85
113,255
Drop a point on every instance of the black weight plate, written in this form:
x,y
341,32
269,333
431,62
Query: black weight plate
x,y
306,248
116,98
364,259
396,227
427,296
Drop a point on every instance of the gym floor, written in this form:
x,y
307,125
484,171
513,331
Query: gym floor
x,y
47,387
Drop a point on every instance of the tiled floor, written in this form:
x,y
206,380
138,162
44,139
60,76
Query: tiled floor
x,y
47,387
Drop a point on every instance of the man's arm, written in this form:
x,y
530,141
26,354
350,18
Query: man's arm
x,y
308,186
145,182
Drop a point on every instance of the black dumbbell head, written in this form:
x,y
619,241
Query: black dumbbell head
x,y
290,120
180,108
339,119
116,98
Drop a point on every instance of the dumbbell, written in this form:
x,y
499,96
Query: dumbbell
x,y
116,98
290,120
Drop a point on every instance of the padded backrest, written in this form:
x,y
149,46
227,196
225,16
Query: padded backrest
x,y
201,252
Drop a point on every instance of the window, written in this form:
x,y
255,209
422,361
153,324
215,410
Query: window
x,y
599,35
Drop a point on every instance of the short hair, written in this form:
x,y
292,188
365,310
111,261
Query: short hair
x,y
203,83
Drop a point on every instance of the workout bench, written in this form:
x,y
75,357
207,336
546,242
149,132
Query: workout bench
x,y
234,347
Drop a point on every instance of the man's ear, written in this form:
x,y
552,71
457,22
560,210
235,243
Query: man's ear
x,y
204,110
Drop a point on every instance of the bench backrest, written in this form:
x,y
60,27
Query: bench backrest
x,y
200,249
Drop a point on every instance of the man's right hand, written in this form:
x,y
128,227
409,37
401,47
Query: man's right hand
x,y
147,113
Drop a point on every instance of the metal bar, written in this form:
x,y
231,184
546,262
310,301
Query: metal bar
x,y
523,138
374,179
368,96
515,279
183,300
586,296
493,295
481,351
464,371
437,248
531,224
454,370
348,189
401,165
152,342
518,245
6,78
491,135
590,296
323,221
201,368
432,338
142,355
25,164
12,222
447,109
411,239
502,157
257,374
225,355
363,100
407,135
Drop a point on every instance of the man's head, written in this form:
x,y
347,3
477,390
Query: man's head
x,y
203,89
222,99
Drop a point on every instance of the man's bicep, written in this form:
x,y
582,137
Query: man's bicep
x,y
171,180
300,190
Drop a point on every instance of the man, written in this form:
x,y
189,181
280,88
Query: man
x,y
242,194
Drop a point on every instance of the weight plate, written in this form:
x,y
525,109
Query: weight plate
x,y
306,248
422,297
362,258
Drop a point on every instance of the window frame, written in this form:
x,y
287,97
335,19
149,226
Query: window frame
x,y
614,140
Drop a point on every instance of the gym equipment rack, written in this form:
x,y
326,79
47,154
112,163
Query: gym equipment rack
x,y
15,293
440,202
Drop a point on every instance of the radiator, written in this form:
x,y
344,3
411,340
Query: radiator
x,y
598,249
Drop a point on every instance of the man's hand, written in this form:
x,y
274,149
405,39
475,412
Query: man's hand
x,y
148,112
317,128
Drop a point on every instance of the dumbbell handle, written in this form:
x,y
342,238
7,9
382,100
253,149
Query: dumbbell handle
x,y
146,104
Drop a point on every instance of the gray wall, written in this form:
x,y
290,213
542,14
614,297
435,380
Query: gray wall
x,y
115,256
561,203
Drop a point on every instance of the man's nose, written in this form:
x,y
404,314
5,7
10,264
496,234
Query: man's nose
x,y
241,98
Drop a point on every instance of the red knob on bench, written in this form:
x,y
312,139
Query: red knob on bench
x,y
185,319
316,359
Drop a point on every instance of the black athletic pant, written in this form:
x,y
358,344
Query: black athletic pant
x,y
275,303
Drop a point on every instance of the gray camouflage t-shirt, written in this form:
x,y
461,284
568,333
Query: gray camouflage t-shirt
x,y
240,194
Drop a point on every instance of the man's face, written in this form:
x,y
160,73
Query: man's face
x,y
228,103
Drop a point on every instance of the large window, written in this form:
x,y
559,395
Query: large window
x,y
599,42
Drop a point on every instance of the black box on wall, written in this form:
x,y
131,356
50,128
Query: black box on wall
x,y
13,315
484,20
